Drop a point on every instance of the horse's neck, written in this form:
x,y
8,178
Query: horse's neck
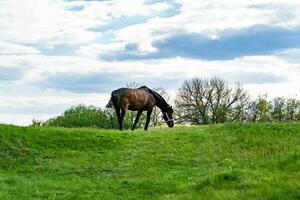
x,y
160,102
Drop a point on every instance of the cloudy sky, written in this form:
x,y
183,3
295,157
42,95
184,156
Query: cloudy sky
x,y
58,53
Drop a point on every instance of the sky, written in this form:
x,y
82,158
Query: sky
x,y
59,53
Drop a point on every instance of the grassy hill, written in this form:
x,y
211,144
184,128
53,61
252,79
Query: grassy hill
x,y
231,161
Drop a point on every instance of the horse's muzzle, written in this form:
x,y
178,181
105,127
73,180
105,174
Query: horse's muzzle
x,y
170,123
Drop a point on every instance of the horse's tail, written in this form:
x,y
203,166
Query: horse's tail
x,y
109,104
114,100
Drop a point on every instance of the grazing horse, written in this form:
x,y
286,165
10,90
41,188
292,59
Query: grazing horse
x,y
140,99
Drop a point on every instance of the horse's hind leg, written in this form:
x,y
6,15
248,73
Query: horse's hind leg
x,y
122,115
120,120
137,119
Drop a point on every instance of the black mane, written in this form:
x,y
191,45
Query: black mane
x,y
160,101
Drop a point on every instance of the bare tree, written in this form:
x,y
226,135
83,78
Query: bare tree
x,y
191,102
226,102
133,84
203,101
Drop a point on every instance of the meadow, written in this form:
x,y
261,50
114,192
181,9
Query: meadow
x,y
227,161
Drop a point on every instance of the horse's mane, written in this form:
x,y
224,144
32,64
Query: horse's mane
x,y
161,102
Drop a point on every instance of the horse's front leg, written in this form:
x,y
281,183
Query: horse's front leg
x,y
148,119
137,119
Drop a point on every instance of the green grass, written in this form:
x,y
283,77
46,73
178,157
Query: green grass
x,y
231,161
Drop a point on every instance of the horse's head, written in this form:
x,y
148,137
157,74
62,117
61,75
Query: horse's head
x,y
168,116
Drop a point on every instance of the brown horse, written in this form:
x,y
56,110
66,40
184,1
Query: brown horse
x,y
140,99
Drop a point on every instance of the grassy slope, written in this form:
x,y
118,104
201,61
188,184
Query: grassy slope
x,y
258,161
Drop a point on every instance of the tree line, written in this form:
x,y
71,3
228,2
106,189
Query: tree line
x,y
210,101
198,101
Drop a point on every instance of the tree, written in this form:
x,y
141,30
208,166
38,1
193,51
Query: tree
x,y
203,101
264,108
292,109
191,104
226,101
259,109
278,110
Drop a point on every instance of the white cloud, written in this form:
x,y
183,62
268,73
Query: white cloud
x,y
44,22
94,50
39,67
7,48
210,18
52,21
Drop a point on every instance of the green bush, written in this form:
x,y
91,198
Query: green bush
x,y
89,116
83,116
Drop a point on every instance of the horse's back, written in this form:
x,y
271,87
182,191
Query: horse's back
x,y
135,99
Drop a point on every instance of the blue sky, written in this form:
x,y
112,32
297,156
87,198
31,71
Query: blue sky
x,y
59,53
